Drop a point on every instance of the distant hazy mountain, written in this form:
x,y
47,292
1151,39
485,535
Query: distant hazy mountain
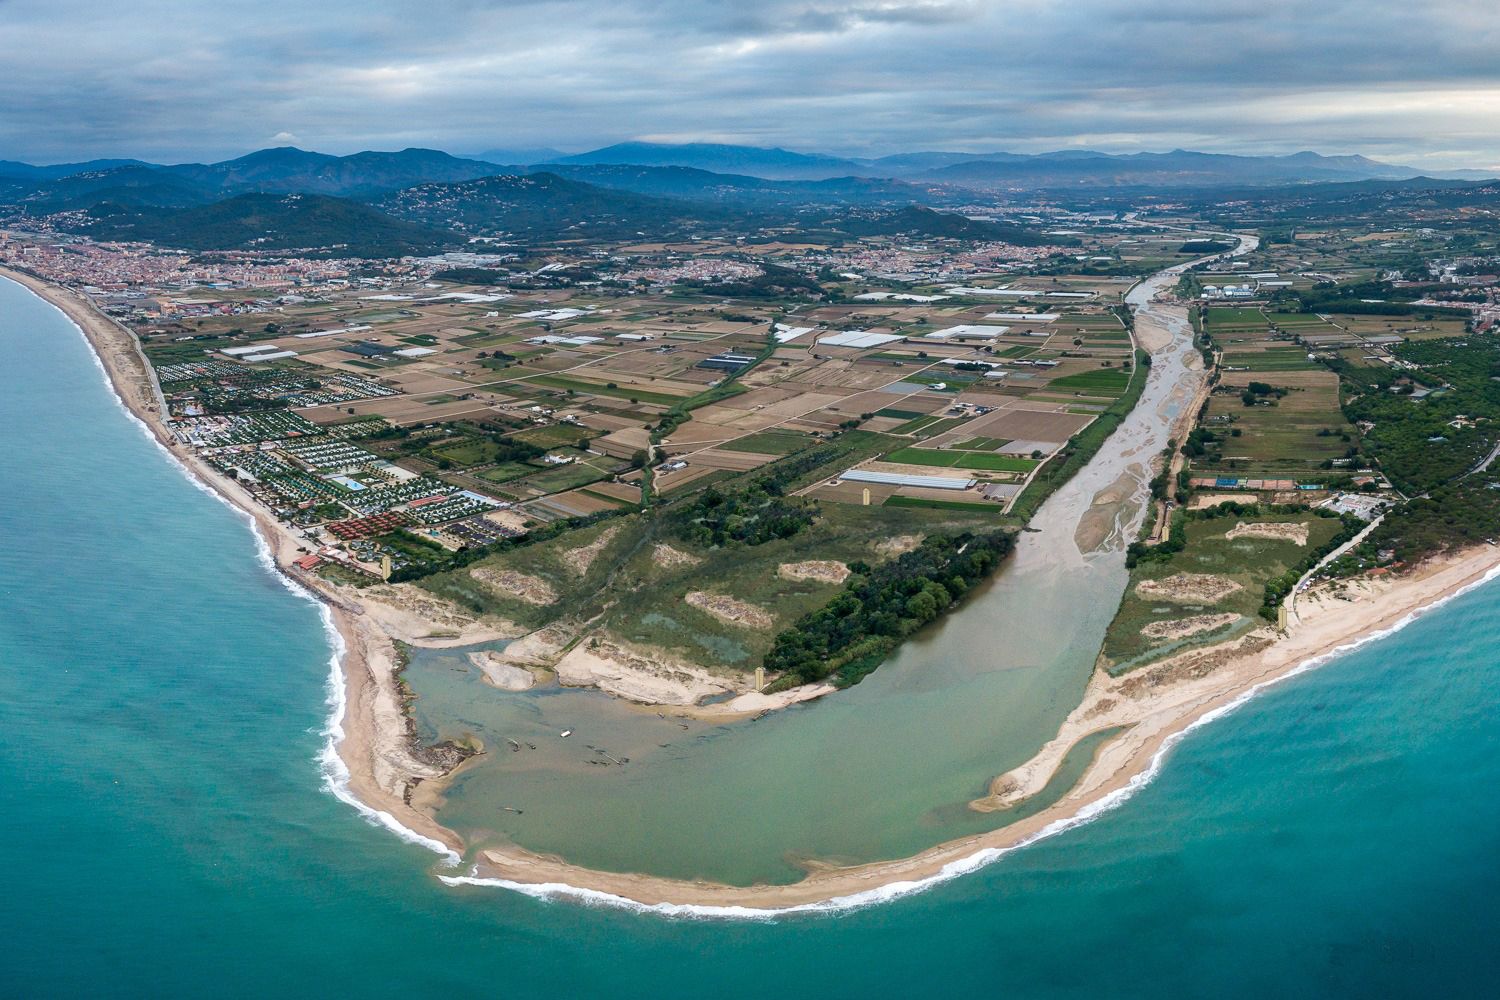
x,y
317,223
422,198
1179,168
774,164
520,156
134,186
704,185
12,168
905,164
710,172
1355,198
1062,168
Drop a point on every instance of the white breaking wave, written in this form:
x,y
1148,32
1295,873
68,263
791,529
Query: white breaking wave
x,y
981,858
332,767
336,773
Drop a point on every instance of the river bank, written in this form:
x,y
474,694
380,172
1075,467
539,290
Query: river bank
x,y
1156,705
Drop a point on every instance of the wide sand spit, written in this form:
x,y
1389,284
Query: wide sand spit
x,y
1147,709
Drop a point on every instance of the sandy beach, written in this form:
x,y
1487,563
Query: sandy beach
x,y
377,745
1152,706
1157,704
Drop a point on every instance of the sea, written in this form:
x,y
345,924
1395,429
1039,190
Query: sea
x,y
170,824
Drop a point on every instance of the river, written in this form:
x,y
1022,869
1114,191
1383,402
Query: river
x,y
880,771
166,834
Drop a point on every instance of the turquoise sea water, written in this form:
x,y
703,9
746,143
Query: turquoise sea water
x,y
165,831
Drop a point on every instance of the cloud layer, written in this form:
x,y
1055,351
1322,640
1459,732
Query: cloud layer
x,y
171,79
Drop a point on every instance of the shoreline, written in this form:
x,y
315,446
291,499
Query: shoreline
x,y
1123,765
369,764
375,769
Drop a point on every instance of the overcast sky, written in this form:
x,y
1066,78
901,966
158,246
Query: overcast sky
x,y
1401,80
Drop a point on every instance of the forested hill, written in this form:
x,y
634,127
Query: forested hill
x,y
549,204
313,223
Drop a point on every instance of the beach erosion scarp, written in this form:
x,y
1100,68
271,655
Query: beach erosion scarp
x,y
369,761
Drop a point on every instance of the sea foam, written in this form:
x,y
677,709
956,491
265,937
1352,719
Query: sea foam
x,y
981,858
336,773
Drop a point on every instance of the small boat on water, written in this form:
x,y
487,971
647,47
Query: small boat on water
x,y
566,733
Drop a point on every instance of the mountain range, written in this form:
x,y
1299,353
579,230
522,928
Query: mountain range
x,y
669,170
1178,168
414,199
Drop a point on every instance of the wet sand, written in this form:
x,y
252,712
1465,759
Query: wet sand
x,y
377,744
1156,706
1153,706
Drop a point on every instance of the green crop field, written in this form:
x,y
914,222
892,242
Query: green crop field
x,y
912,426
1219,316
981,444
602,389
505,472
770,443
1276,359
465,451
1108,381
555,435
556,479
1294,438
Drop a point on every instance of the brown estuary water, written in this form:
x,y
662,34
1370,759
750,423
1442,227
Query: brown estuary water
x,y
883,770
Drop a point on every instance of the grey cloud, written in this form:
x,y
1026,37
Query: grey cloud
x,y
171,79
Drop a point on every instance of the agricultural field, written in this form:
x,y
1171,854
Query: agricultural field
x,y
1275,412
955,458
659,456
1289,432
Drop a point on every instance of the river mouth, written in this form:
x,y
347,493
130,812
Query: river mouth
x,y
884,770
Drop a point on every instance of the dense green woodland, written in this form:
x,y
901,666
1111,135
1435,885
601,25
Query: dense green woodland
x,y
1461,378
751,518
1427,451
880,606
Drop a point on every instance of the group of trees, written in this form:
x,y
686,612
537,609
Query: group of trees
x,y
1205,246
1255,392
1421,443
1367,298
751,518
880,606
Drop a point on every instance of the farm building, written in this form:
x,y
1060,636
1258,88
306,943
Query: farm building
x,y
727,362
902,479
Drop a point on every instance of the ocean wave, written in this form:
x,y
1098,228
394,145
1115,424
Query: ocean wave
x,y
331,766
335,772
981,858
